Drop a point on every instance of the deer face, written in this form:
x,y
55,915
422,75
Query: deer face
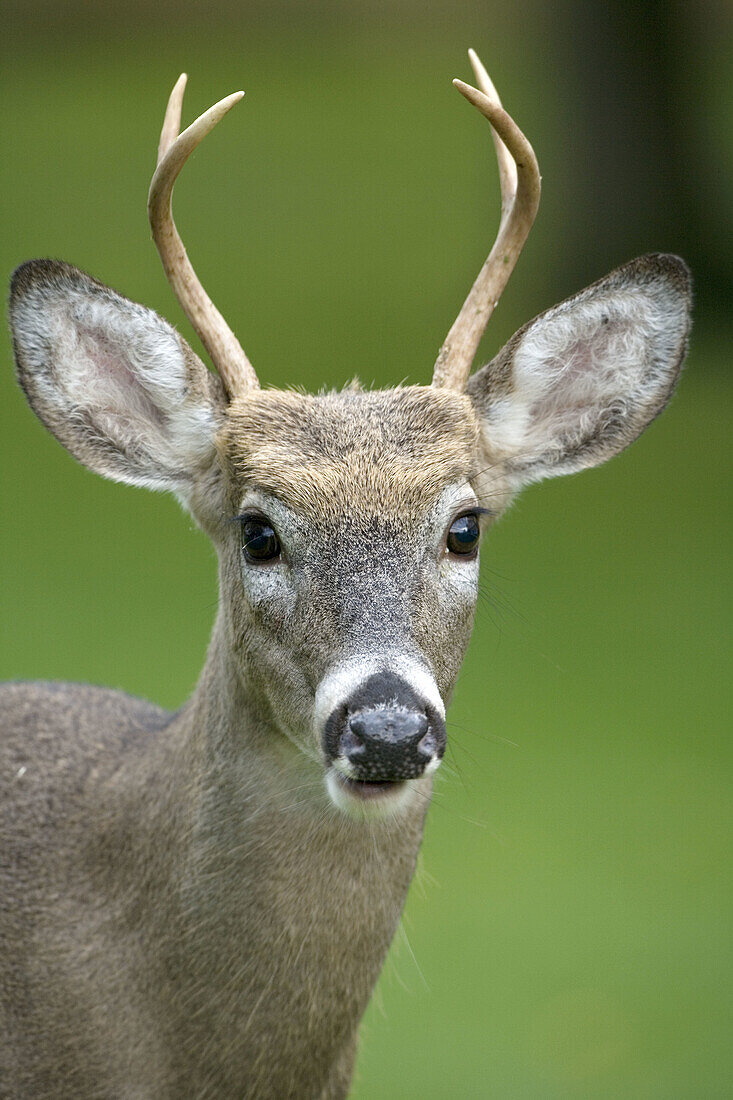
x,y
352,570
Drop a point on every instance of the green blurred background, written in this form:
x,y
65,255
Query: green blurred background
x,y
568,934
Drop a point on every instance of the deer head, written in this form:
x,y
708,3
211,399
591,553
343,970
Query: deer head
x,y
348,524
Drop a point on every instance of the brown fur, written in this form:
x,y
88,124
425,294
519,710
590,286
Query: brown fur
x,y
388,450
179,926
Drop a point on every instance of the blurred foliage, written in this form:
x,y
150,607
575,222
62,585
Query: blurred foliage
x,y
567,935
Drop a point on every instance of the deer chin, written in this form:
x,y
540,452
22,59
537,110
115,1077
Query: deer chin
x,y
375,800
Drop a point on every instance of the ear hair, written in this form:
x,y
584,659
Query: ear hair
x,y
113,381
582,381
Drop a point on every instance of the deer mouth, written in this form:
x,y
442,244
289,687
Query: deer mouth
x,y
367,789
369,799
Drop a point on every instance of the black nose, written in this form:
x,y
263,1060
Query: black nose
x,y
385,731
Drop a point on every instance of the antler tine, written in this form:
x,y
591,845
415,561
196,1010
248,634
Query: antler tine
x,y
507,167
172,121
227,355
520,193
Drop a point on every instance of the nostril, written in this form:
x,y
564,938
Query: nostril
x,y
357,726
427,746
352,743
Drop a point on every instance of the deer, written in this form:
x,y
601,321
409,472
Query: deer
x,y
199,903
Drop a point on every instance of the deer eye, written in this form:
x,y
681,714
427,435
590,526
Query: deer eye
x,y
463,534
259,541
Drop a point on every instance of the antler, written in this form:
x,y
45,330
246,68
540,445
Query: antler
x,y
227,355
520,196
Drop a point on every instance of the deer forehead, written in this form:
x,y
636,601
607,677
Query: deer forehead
x,y
385,452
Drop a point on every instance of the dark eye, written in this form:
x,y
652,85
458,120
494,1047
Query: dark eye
x,y
463,534
259,541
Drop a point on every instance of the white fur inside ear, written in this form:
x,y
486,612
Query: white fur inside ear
x,y
133,370
600,362
113,381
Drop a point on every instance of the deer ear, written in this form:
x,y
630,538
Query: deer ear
x,y
582,381
115,384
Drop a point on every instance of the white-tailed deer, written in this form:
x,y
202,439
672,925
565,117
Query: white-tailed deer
x,y
198,904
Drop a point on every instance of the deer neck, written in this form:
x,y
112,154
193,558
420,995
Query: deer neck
x,y
283,907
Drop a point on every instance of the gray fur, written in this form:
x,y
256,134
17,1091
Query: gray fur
x,y
185,911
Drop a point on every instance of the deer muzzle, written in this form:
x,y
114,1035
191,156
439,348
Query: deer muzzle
x,y
385,730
